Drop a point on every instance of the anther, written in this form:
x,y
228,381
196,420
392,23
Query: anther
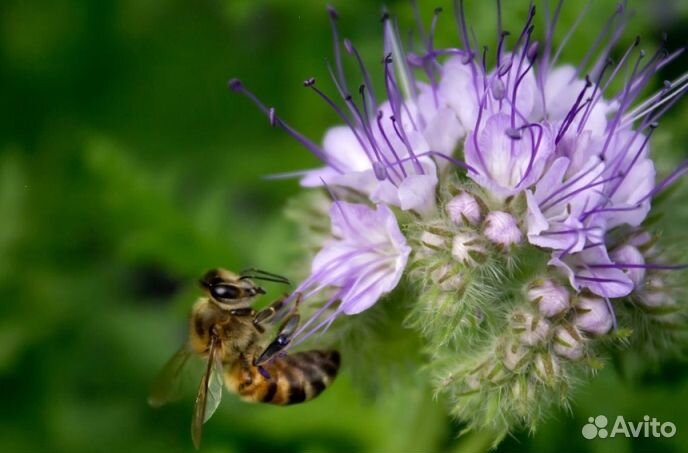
x,y
498,89
348,46
533,52
235,85
380,171
272,116
332,12
415,60
309,82
385,17
514,134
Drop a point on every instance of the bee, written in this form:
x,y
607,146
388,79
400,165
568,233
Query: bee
x,y
229,334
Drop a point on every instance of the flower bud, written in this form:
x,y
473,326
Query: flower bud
x,y
447,278
532,328
546,366
514,355
473,381
497,374
432,241
463,209
467,249
568,343
501,228
551,299
522,390
628,254
593,315
657,298
645,242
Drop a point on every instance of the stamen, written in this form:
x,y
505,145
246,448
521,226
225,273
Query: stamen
x,y
666,182
237,86
600,37
622,105
617,69
389,145
655,102
580,190
570,33
519,75
461,19
622,156
364,71
612,24
571,183
573,111
549,39
409,148
500,47
650,266
393,44
335,39
310,83
535,146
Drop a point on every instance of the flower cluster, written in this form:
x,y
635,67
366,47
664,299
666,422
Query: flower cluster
x,y
510,192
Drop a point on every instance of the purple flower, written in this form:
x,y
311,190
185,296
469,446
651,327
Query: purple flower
x,y
501,228
594,316
363,261
507,160
463,208
592,268
556,206
560,136
553,182
389,150
551,299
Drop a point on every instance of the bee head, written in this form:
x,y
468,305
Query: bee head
x,y
227,288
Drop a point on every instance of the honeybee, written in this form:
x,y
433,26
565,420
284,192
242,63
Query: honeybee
x,y
226,332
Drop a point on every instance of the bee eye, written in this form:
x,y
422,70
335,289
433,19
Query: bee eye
x,y
224,292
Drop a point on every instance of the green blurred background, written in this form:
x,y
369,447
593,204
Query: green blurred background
x,y
127,169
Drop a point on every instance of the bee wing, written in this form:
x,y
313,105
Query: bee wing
x,y
209,392
168,384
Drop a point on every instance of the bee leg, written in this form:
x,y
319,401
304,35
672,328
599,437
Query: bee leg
x,y
276,312
268,313
282,340
242,312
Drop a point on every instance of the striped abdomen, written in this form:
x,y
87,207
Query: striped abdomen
x,y
289,379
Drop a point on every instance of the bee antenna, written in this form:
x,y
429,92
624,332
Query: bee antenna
x,y
266,279
258,274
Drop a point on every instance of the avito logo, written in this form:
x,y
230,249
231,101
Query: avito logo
x,y
597,427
